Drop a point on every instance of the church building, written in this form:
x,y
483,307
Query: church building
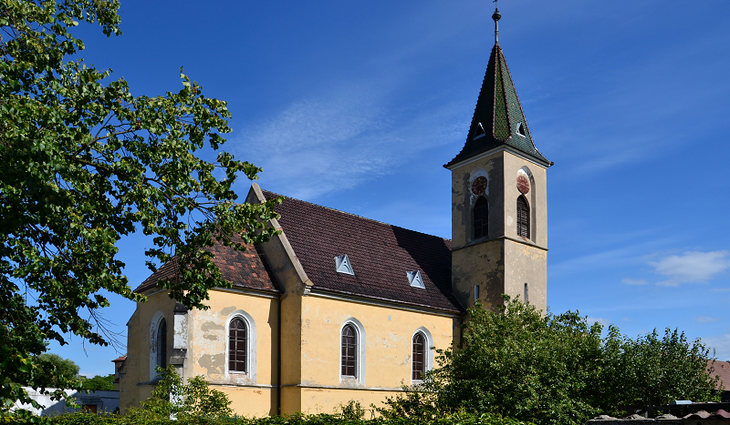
x,y
338,307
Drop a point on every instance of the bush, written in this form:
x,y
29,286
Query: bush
x,y
555,370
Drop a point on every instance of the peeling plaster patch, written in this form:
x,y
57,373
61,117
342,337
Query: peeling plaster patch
x,y
510,220
211,337
228,310
212,326
212,363
390,341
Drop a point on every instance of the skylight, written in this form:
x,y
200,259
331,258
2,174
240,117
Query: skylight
x,y
342,265
415,279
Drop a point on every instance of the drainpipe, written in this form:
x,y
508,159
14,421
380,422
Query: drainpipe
x,y
278,359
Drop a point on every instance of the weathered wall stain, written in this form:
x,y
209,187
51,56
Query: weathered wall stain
x,y
212,363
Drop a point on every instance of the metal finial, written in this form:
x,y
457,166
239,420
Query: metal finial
x,y
496,16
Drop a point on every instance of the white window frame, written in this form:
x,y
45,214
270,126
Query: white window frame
x,y
427,355
360,361
250,346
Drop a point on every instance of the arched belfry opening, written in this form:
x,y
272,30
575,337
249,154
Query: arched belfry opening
x,y
523,217
480,215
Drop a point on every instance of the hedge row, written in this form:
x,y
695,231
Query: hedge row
x,y
298,419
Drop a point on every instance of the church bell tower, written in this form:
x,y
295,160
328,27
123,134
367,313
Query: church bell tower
x,y
499,199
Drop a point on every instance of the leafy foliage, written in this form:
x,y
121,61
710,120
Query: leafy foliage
x,y
461,418
173,398
653,371
98,383
555,369
61,373
84,163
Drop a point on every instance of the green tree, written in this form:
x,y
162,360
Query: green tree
x,y
84,163
61,373
173,398
523,365
651,371
555,369
99,383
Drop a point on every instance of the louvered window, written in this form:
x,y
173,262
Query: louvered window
x,y
162,344
419,360
237,345
523,218
349,351
481,216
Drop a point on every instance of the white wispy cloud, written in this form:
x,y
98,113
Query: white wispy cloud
x,y
691,267
706,319
338,140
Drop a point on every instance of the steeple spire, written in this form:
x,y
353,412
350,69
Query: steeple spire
x,y
498,117
496,16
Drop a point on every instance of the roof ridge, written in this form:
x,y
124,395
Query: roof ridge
x,y
267,192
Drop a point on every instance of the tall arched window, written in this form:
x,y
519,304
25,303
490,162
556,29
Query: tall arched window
x,y
419,357
238,345
349,351
481,216
161,342
523,218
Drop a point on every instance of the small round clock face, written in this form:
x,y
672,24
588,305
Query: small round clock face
x,y
523,185
479,186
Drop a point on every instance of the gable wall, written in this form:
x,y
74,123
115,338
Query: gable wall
x,y
134,384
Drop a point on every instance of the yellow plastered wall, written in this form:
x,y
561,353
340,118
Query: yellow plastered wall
x,y
136,375
251,393
388,348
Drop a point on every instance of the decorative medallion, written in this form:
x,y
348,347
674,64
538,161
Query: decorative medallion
x,y
479,186
523,185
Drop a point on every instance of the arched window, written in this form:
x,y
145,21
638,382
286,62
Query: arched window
x,y
349,351
523,218
238,345
161,342
481,216
419,357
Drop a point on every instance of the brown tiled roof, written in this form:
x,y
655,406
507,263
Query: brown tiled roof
x,y
380,255
244,269
722,369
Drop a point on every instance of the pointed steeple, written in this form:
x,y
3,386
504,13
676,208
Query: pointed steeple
x,y
498,118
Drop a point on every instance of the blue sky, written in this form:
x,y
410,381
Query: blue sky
x,y
357,105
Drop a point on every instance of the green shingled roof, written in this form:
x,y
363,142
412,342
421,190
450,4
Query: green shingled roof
x,y
498,117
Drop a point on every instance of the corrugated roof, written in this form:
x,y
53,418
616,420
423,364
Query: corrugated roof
x,y
380,255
